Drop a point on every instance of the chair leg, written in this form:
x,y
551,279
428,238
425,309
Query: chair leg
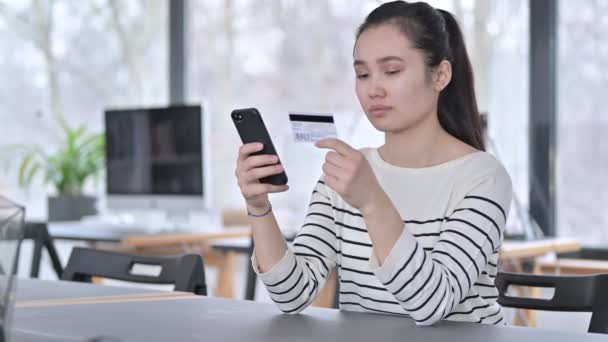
x,y
50,248
36,258
250,282
251,278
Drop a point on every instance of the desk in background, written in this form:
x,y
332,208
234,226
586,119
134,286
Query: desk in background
x,y
531,249
234,241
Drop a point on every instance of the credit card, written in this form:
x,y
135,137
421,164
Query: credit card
x,y
311,127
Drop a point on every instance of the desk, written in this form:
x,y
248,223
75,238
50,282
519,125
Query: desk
x,y
75,233
29,289
78,231
212,319
39,294
536,248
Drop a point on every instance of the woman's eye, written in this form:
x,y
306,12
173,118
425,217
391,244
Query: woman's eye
x,y
362,76
393,72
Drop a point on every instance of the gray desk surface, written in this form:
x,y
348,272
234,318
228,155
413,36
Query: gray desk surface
x,y
35,289
210,319
78,232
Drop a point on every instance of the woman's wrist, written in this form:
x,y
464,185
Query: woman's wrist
x,y
376,205
259,211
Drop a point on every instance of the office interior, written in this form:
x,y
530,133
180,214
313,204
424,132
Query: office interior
x,y
116,131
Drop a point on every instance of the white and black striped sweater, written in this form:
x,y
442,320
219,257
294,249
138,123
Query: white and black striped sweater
x,y
442,266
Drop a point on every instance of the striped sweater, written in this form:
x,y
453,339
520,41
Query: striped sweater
x,y
441,267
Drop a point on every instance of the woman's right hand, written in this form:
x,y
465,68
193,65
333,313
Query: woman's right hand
x,y
251,168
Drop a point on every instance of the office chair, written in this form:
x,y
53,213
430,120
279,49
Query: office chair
x,y
186,272
572,293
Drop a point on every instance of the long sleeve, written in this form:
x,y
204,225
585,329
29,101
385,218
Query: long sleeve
x,y
295,281
429,284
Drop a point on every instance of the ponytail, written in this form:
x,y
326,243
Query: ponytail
x,y
457,108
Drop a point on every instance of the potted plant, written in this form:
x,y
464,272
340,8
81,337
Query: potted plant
x,y
79,157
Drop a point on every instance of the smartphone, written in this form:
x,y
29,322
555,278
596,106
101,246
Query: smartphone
x,y
251,128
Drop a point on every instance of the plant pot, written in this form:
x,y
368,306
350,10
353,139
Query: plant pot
x,y
70,207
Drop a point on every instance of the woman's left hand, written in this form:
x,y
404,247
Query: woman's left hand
x,y
348,172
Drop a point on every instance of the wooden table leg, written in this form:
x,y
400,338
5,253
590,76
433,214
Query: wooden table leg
x,y
97,280
524,317
225,264
326,297
534,293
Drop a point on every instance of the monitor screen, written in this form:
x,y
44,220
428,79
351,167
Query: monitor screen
x,y
154,151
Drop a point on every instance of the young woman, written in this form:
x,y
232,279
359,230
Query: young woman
x,y
414,227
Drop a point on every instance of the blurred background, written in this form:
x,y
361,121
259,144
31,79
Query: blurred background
x,y
539,72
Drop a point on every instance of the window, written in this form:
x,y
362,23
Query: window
x,y
291,55
582,144
75,58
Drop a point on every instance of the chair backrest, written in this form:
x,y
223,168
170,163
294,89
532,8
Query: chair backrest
x,y
571,293
186,272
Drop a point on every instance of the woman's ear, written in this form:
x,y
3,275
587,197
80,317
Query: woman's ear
x,y
443,75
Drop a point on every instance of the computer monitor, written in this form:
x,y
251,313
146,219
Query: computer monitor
x,y
155,159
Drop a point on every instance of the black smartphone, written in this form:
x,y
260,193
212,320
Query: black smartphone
x,y
251,128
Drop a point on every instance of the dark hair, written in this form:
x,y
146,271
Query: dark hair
x,y
438,35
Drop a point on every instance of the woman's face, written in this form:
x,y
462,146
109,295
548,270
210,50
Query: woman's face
x,y
393,84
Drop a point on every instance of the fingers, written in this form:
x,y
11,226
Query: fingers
x,y
331,181
247,149
335,159
336,145
332,170
276,188
261,172
256,189
350,164
246,163
250,168
258,161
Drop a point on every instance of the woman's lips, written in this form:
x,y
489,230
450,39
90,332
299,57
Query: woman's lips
x,y
378,110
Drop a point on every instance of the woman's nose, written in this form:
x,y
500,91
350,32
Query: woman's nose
x,y
376,88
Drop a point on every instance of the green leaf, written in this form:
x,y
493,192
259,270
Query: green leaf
x,y
33,172
79,157
23,169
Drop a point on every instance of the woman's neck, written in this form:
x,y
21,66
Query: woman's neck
x,y
422,145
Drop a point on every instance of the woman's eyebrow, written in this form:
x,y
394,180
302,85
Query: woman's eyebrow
x,y
389,59
359,62
381,60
